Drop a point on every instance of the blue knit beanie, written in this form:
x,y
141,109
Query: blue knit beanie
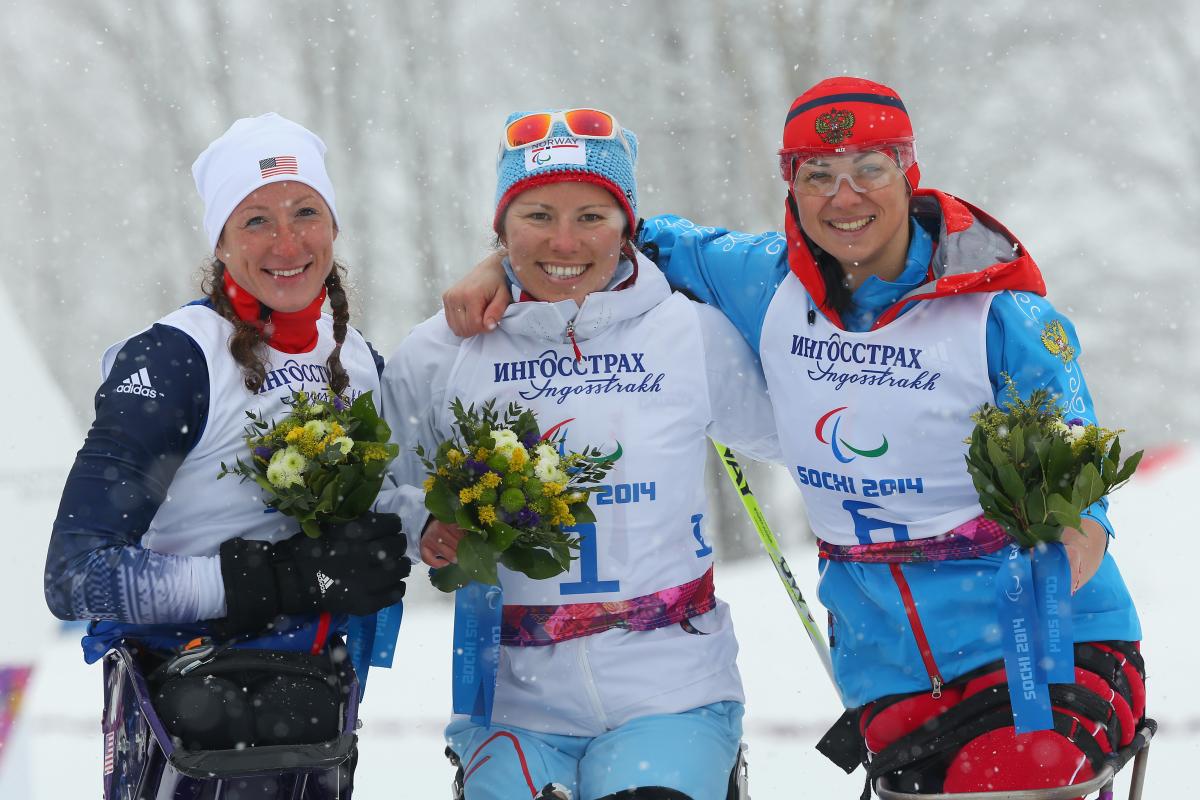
x,y
563,157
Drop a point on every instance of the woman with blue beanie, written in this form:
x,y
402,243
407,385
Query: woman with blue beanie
x,y
618,678
890,313
223,617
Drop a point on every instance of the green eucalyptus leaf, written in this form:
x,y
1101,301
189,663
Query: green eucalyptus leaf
x,y
996,455
477,558
1089,486
1036,505
440,502
1016,443
1059,465
464,517
449,578
1063,512
501,535
537,564
583,513
1011,482
1127,470
1044,533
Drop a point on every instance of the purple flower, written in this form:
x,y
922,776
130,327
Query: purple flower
x,y
530,440
1075,422
477,467
264,453
526,518
338,403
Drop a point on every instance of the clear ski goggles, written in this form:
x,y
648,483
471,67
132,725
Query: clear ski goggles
x,y
584,123
820,173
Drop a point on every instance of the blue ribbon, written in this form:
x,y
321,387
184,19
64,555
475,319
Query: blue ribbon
x,y
1022,635
477,613
371,641
1052,588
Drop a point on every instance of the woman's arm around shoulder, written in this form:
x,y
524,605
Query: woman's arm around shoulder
x,y
737,273
742,417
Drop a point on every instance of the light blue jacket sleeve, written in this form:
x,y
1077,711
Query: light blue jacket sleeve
x,y
1035,345
737,273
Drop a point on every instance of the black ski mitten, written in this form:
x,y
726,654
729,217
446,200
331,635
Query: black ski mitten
x,y
355,567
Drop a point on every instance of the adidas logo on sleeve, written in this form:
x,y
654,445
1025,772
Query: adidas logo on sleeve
x,y
138,383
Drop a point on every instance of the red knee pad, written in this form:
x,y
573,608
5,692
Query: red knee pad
x,y
1132,665
1001,760
886,720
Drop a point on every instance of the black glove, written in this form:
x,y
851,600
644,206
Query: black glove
x,y
355,567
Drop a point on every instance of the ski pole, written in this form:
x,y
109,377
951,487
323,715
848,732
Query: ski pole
x,y
738,478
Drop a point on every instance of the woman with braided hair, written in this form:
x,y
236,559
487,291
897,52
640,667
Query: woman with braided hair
x,y
173,567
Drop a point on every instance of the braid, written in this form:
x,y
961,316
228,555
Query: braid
x,y
243,344
340,306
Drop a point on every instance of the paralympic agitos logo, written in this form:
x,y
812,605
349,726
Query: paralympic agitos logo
x,y
840,445
556,435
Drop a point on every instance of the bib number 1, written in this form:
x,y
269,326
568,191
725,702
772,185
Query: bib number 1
x,y
589,580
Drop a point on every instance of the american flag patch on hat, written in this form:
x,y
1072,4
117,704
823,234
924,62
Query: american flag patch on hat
x,y
278,165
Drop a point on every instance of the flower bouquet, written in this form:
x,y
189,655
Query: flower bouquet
x,y
512,490
323,462
1036,471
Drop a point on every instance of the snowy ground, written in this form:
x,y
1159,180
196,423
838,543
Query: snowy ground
x,y
55,751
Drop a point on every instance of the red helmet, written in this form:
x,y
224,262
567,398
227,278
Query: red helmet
x,y
847,115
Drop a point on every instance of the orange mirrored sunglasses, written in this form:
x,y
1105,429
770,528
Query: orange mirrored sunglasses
x,y
586,123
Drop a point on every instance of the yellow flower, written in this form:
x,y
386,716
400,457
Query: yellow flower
x,y
490,480
430,482
294,435
519,457
552,488
374,452
468,495
336,430
487,515
568,520
445,473
482,454
455,457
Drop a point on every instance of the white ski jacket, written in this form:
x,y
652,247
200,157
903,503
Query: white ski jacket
x,y
658,374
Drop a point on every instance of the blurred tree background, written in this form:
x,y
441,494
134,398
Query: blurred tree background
x,y
1073,124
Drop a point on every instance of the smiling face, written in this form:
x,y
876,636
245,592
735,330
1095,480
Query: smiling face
x,y
867,232
278,244
564,239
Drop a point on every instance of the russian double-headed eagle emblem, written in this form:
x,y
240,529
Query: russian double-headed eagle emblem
x,y
1054,337
835,127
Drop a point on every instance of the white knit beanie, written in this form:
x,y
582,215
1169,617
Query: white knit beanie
x,y
256,151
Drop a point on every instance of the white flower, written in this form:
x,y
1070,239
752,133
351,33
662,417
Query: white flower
x,y
546,454
506,441
1061,428
1075,433
317,408
316,429
286,467
547,471
345,443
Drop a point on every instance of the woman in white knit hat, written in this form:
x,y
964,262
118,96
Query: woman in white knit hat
x,y
228,616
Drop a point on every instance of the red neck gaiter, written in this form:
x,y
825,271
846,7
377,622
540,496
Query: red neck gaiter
x,y
290,332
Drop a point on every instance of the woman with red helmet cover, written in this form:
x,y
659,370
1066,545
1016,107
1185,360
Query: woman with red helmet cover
x,y
884,315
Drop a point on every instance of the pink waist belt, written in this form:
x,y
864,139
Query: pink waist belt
x,y
975,537
532,626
